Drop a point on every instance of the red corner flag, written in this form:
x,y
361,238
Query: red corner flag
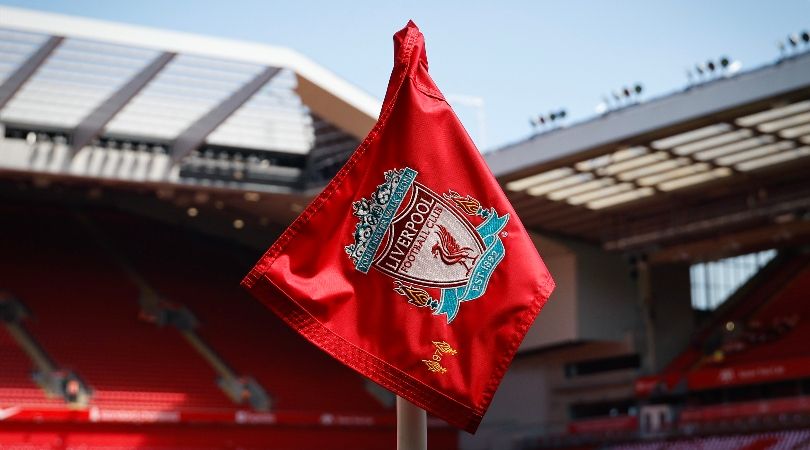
x,y
411,267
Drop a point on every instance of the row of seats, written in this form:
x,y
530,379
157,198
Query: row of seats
x,y
782,440
85,314
784,322
16,387
46,436
772,321
244,332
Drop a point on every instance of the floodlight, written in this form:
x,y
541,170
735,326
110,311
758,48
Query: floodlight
x,y
793,40
601,108
734,67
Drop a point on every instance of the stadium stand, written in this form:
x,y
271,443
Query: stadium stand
x,y
127,437
763,329
778,329
745,370
88,318
97,330
131,363
94,328
767,317
241,330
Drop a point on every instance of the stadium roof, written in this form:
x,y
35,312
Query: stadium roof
x,y
717,168
713,162
91,81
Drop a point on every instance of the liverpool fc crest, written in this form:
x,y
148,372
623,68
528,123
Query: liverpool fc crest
x,y
427,242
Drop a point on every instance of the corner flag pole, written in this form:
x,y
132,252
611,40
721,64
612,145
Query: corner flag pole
x,y
411,426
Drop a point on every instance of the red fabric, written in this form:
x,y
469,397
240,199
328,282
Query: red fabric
x,y
446,356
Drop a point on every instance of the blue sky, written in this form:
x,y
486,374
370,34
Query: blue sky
x,y
522,58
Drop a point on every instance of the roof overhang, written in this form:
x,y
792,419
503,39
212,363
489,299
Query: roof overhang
x,y
719,158
325,93
96,99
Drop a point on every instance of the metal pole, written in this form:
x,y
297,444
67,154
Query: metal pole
x,y
411,426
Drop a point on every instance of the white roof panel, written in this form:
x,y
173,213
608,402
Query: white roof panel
x,y
72,82
331,97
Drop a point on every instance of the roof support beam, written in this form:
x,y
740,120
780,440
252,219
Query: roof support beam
x,y
93,125
15,81
194,136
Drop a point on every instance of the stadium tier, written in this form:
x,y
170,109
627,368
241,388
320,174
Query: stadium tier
x,y
94,327
768,323
88,320
240,329
747,370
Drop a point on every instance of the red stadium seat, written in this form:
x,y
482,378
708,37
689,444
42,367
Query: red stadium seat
x,y
85,314
244,332
17,387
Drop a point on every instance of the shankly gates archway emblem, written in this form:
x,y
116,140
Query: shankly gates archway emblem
x,y
427,243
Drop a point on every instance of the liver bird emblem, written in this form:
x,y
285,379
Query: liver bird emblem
x,y
449,250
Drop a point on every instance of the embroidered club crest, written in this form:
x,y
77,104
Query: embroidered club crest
x,y
427,242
